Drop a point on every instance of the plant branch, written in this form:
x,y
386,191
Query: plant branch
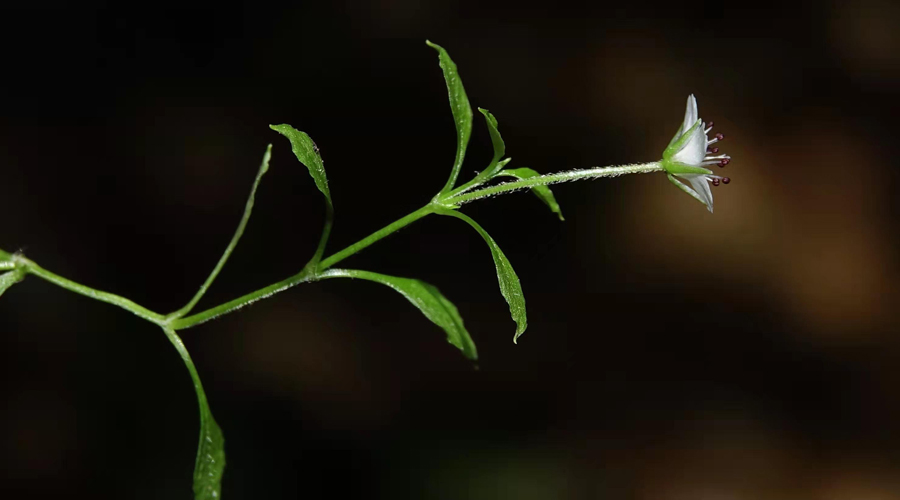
x,y
308,273
377,235
263,168
212,313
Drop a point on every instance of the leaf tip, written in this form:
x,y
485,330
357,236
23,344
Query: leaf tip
x,y
519,332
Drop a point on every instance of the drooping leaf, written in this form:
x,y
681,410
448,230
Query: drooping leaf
x,y
210,463
306,151
459,106
496,141
510,287
9,279
542,192
427,299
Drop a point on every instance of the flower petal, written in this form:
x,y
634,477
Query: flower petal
x,y
694,150
690,114
700,183
684,187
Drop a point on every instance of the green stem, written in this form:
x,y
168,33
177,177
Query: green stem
x,y
248,209
543,180
326,232
377,235
303,276
202,317
107,297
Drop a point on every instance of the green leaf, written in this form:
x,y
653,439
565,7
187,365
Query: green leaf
x,y
210,463
427,299
506,276
306,151
459,106
9,279
496,141
542,192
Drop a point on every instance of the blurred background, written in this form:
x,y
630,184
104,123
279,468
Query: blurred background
x,y
671,353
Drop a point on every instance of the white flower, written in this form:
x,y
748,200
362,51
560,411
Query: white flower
x,y
689,153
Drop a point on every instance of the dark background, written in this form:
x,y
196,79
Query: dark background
x,y
671,353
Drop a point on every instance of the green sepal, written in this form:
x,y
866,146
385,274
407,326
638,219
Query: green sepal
x,y
676,145
674,167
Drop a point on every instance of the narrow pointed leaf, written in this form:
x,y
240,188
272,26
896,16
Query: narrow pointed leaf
x,y
9,279
496,141
510,287
542,192
427,299
459,106
210,463
306,151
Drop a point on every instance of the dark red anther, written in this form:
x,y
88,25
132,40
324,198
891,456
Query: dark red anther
x,y
712,150
723,162
715,182
726,180
720,136
710,125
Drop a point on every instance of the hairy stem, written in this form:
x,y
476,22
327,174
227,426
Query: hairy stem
x,y
234,305
40,272
248,209
377,235
543,180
